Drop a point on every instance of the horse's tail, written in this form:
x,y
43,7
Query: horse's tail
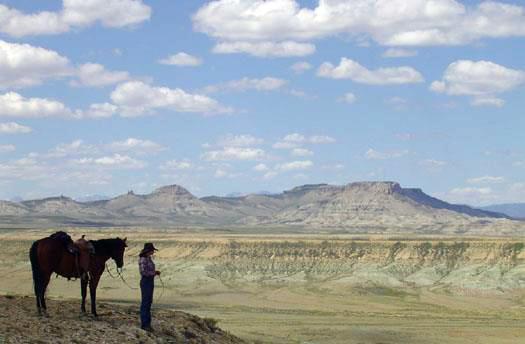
x,y
37,274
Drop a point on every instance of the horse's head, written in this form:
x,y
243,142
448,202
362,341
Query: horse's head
x,y
118,252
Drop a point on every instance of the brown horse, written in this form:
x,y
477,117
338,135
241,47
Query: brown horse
x,y
56,253
51,254
104,249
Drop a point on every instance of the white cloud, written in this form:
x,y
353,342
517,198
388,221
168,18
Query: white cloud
x,y
375,155
14,128
295,137
74,14
470,191
486,180
480,79
284,145
93,74
116,161
294,165
239,140
7,148
301,152
349,69
136,146
177,165
388,22
293,140
13,104
245,84
321,139
433,164
487,101
300,67
74,147
260,168
265,49
96,110
234,153
136,98
349,98
23,65
398,52
181,59
223,171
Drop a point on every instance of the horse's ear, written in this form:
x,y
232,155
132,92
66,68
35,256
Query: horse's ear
x,y
126,238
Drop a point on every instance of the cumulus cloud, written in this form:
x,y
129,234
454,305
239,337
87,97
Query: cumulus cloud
x,y
74,14
177,165
181,59
349,98
295,137
74,147
294,165
433,164
399,52
388,22
321,139
116,161
136,146
234,153
7,148
376,155
246,84
486,180
265,49
480,79
300,67
239,140
23,65
293,140
97,110
301,152
260,168
349,69
14,128
93,74
15,105
136,98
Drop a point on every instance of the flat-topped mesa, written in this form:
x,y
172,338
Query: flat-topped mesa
x,y
172,190
386,187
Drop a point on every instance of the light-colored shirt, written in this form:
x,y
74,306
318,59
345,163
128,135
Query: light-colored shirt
x,y
146,267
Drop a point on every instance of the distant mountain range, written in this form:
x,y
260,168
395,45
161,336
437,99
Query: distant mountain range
x,y
515,210
362,206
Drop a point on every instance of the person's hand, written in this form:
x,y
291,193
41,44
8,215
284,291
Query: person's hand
x,y
157,273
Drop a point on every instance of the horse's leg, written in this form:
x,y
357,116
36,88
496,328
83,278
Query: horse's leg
x,y
93,283
83,288
45,283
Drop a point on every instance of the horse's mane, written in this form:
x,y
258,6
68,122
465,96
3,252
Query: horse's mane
x,y
107,245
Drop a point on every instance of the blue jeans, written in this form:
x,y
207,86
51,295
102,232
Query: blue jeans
x,y
146,288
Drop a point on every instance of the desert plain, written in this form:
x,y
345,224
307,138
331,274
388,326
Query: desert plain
x,y
312,288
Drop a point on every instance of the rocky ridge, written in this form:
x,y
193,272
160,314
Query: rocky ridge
x,y
362,206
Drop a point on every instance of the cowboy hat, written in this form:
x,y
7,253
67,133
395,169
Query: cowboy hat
x,y
148,247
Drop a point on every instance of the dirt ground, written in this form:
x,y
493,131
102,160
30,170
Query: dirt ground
x,y
307,305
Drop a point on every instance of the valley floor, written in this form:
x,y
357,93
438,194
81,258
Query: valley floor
x,y
315,289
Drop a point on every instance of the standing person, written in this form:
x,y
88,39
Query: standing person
x,y
147,273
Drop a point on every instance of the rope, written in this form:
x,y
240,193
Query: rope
x,y
161,292
123,280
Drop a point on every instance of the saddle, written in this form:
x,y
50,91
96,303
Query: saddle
x,y
82,249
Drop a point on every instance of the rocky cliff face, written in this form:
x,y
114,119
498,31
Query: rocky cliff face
x,y
481,265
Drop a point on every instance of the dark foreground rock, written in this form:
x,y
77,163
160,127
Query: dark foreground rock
x,y
19,323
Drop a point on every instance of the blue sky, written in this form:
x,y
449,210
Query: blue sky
x,y
100,97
